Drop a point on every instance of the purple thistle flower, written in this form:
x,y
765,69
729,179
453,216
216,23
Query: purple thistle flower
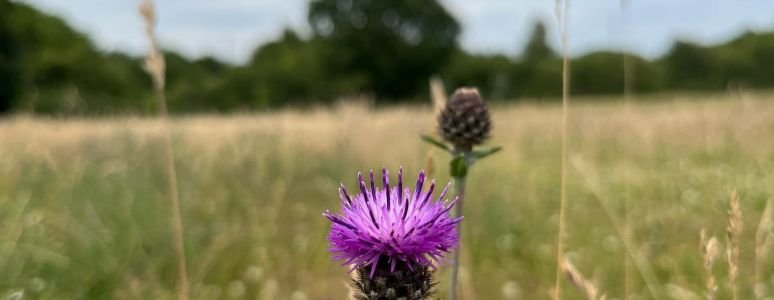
x,y
400,227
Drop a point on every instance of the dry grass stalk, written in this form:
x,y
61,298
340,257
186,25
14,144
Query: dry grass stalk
x,y
438,97
156,67
438,94
154,63
709,250
734,231
639,261
627,80
561,16
764,241
577,279
430,165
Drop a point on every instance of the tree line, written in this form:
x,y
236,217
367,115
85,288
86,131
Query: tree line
x,y
386,49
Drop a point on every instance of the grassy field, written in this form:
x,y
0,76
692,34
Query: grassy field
x,y
84,215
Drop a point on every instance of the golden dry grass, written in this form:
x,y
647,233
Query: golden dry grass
x,y
83,211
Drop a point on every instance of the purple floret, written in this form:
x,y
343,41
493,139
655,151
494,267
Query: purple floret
x,y
408,227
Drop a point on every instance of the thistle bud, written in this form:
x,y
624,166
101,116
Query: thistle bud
x,y
465,121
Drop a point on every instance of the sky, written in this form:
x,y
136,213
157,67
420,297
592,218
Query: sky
x,y
231,29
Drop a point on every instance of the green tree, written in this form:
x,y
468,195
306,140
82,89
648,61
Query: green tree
x,y
490,73
538,78
539,72
394,45
537,47
602,73
747,60
10,70
690,66
283,72
60,70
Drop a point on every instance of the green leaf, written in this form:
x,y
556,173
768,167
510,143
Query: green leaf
x,y
458,167
481,153
432,141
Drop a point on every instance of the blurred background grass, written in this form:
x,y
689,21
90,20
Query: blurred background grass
x,y
85,217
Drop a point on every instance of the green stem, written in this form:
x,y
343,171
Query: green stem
x,y
459,190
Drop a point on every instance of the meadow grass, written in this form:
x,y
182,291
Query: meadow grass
x,y
84,215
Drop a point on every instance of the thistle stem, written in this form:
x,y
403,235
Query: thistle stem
x,y
459,190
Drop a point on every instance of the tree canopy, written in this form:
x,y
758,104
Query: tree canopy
x,y
537,47
384,48
389,47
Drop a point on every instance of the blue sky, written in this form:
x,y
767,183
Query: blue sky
x,y
231,29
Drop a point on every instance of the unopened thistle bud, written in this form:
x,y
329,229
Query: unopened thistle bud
x,y
392,237
465,121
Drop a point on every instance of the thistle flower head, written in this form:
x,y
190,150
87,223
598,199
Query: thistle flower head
x,y
396,225
464,121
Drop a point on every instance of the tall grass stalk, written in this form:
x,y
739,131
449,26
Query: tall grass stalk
x,y
155,66
627,89
438,99
561,16
734,233
764,241
579,281
709,251
438,94
645,270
